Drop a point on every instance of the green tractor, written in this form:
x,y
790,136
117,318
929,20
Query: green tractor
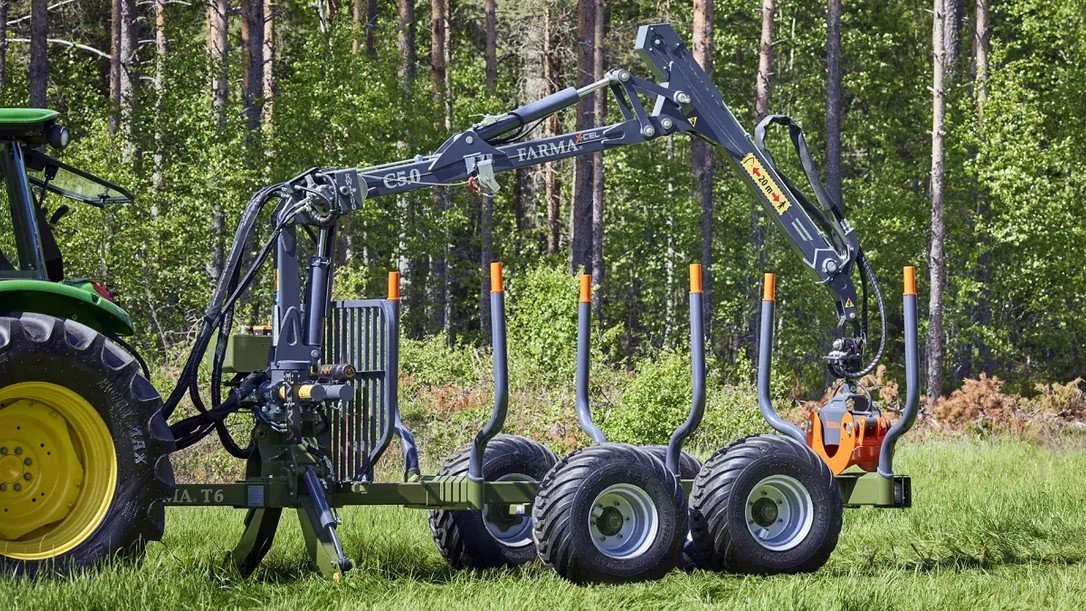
x,y
83,442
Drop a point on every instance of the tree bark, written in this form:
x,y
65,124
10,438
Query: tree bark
x,y
158,178
551,191
39,59
268,79
129,72
115,67
581,221
440,88
982,312
599,60
4,6
371,28
702,161
486,213
763,89
252,84
834,101
952,26
936,259
405,41
218,46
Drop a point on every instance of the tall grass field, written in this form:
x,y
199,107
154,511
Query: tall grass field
x,y
995,524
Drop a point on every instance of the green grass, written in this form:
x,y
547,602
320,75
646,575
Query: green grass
x,y
995,525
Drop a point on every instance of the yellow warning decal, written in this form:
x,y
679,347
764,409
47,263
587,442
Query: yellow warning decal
x,y
693,121
848,303
765,183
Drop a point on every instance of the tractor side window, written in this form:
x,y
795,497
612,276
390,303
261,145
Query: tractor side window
x,y
20,245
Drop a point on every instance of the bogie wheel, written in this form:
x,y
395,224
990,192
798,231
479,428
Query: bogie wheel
x,y
491,537
610,513
84,466
688,465
765,505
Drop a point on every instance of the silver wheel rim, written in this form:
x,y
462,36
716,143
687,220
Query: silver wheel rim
x,y
779,512
623,521
508,531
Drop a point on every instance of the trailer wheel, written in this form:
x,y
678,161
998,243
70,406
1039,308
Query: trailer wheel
x,y
688,465
610,513
765,505
84,465
491,537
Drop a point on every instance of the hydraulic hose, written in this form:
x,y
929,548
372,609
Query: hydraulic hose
x,y
868,276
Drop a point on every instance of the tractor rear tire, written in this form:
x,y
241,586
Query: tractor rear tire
x,y
765,505
84,449
689,467
610,513
491,537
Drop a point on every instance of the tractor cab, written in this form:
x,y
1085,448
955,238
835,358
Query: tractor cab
x,y
27,246
32,274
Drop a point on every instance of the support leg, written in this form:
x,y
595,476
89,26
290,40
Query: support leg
x,y
319,530
260,525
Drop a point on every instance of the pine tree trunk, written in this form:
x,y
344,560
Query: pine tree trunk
x,y
581,221
218,45
405,42
268,56
599,60
702,161
252,84
763,88
551,191
39,59
486,213
938,225
160,89
359,26
115,67
371,28
439,53
982,313
834,101
952,27
129,73
4,6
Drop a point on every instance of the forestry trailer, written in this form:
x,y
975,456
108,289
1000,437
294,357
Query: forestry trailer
x,y
85,439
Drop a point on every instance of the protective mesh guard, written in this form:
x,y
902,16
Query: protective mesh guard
x,y
357,333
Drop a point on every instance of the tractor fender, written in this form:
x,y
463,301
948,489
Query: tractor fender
x,y
65,301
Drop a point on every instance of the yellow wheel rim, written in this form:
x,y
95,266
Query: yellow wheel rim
x,y
58,470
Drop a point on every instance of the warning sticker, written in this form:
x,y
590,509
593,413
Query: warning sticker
x,y
765,183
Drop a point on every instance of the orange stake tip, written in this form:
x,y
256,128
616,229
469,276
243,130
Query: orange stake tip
x,y
497,285
769,288
394,286
910,280
586,288
695,277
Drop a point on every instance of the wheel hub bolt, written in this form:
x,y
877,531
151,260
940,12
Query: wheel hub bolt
x,y
26,476
3,487
18,450
3,450
17,487
27,462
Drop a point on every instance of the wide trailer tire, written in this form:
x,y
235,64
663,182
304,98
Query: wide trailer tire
x,y
84,448
765,505
491,537
610,513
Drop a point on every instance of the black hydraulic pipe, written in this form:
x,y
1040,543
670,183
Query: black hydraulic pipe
x,y
501,374
318,289
697,368
765,347
584,333
912,378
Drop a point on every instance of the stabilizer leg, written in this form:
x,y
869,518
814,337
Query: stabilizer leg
x,y
319,530
260,526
